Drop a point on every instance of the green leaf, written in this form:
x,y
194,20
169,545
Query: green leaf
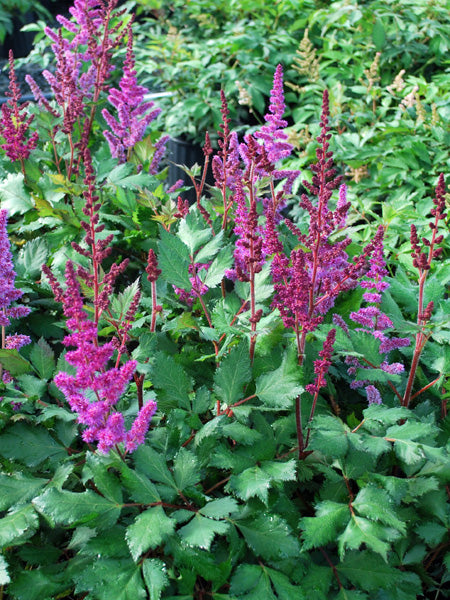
x,y
154,465
362,531
138,485
329,436
431,532
378,35
216,271
149,530
37,584
368,571
173,260
269,536
185,471
284,588
4,575
13,196
251,582
31,258
155,577
208,251
30,445
233,373
193,234
14,363
17,489
377,375
17,524
220,508
96,468
277,389
112,578
172,383
200,531
72,508
251,482
42,358
331,518
375,504
31,386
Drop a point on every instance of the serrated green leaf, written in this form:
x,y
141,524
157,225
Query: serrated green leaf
x,y
17,489
233,373
375,504
17,524
210,250
70,508
37,584
140,488
269,536
185,470
30,445
329,436
96,467
112,578
13,195
284,588
173,260
172,383
121,303
251,482
251,582
331,518
200,531
4,575
216,271
278,388
377,375
150,529
220,508
241,433
155,577
368,571
31,386
193,234
362,531
14,363
431,532
154,465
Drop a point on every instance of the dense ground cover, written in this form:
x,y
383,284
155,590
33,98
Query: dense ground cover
x,y
245,398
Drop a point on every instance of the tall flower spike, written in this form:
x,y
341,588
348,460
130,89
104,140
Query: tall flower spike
x,y
15,122
133,113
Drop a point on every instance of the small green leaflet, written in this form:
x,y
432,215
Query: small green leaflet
x,y
186,470
331,518
42,358
363,531
18,488
277,389
256,481
220,508
108,579
31,258
149,530
13,196
214,274
368,571
193,234
140,488
172,383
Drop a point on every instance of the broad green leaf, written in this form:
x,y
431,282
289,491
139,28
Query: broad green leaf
x,y
431,532
149,530
210,249
216,271
31,258
233,373
280,471
112,578
277,389
31,386
4,575
121,303
329,436
375,504
193,233
21,522
29,445
241,433
173,260
38,584
70,508
200,531
377,375
108,542
172,383
14,363
367,571
155,577
13,195
139,486
284,588
96,467
331,518
362,531
17,488
412,431
153,464
269,536
251,582
185,470
251,482
220,508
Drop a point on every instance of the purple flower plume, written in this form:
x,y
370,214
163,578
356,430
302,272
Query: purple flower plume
x,y
133,113
14,121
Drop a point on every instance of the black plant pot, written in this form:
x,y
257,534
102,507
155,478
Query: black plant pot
x,y
187,153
